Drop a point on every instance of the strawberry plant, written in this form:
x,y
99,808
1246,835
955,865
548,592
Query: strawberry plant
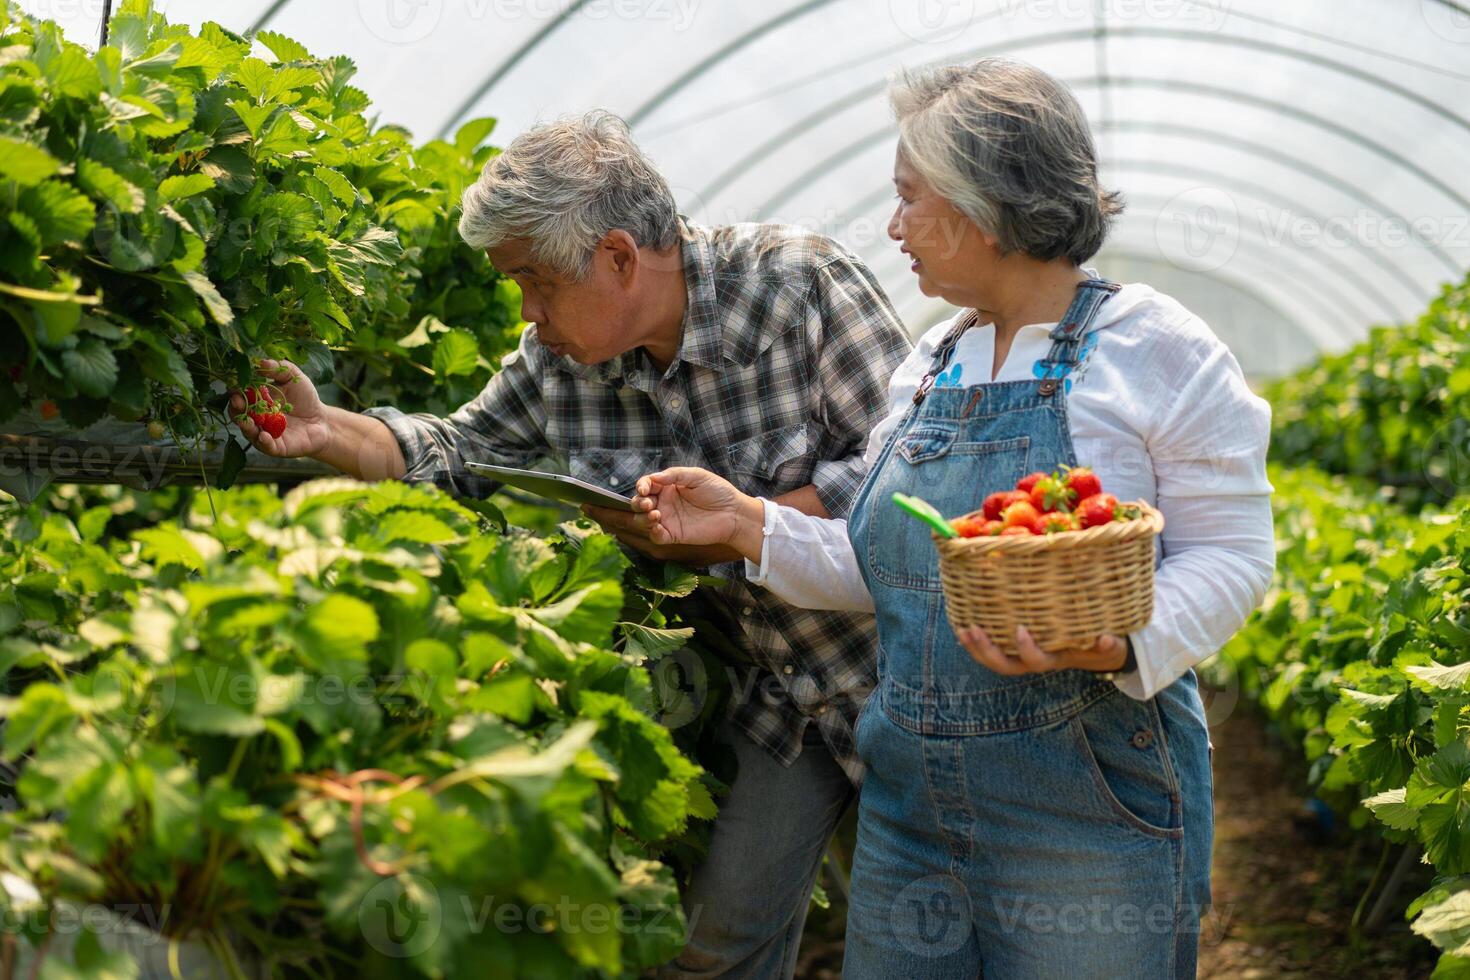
x,y
179,204
1394,409
1363,652
1363,648
321,723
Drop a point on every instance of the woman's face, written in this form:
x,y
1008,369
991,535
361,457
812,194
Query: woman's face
x,y
952,257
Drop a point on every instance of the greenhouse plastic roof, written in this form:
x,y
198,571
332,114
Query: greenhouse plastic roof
x,y
1295,169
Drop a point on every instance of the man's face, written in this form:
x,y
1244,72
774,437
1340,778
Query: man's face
x,y
590,321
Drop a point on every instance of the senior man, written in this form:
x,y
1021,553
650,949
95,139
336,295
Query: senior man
x,y
761,352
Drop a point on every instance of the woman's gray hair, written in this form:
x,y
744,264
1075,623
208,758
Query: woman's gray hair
x,y
1010,148
562,186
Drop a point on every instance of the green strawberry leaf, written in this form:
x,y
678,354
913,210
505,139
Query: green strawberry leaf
x,y
230,168
91,366
187,185
282,135
72,74
61,213
456,353
211,699
412,526
25,163
108,186
468,137
1445,678
1446,921
1389,807
283,47
232,464
649,644
337,183
39,710
218,307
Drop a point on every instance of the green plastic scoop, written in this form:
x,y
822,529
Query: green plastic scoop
x,y
925,512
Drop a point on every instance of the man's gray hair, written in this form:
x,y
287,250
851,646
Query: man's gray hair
x,y
1010,148
562,186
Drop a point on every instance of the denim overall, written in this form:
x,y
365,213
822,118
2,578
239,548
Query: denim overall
x,y
1042,825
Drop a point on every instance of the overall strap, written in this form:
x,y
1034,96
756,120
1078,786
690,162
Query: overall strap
x,y
1067,336
943,352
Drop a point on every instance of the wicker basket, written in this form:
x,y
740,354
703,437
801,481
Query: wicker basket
x,y
1066,589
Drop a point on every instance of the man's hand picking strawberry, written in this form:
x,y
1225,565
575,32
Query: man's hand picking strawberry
x,y
262,417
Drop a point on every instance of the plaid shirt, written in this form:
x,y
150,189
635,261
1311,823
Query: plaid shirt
x,y
787,349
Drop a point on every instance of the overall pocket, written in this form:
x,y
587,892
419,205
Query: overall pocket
x,y
870,707
933,462
1123,744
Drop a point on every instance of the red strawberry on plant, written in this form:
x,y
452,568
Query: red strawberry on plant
x,y
1049,493
996,503
1022,514
262,409
252,406
1083,482
1027,482
273,423
1099,509
271,404
49,410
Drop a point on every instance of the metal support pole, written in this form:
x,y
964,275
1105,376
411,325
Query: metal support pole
x,y
106,17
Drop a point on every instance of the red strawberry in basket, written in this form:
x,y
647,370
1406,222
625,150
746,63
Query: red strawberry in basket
x,y
968,527
1022,514
991,529
1049,493
1083,482
1099,509
1058,521
1027,482
1016,532
996,503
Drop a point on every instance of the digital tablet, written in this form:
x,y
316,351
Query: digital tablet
x,y
554,486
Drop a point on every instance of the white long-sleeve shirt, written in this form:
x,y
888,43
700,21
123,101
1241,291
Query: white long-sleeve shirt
x,y
1161,412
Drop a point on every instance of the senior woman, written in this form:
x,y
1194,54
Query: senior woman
x,y
1046,812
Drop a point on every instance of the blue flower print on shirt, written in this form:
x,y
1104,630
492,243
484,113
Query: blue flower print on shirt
x,y
950,378
1061,371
